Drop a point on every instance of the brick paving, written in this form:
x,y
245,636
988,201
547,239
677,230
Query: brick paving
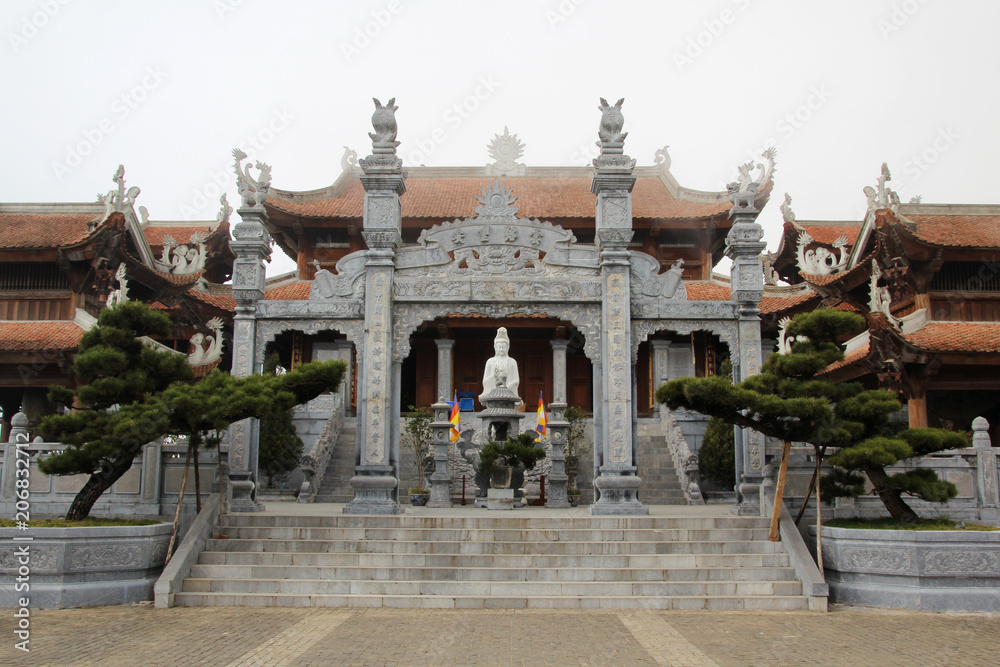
x,y
141,635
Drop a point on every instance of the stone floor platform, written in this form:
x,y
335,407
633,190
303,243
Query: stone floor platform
x,y
132,635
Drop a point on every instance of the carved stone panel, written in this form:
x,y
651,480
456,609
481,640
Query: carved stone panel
x,y
618,368
961,562
101,556
378,365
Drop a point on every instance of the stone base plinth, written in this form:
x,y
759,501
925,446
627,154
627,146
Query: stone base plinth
x,y
619,494
373,492
500,499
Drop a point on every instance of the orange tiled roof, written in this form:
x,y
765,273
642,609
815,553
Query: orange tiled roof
x,y
294,292
850,358
829,233
155,233
30,336
44,230
776,304
957,337
455,197
975,231
706,290
223,301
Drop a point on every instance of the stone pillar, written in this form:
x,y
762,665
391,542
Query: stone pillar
x,y
661,371
445,347
612,183
558,429
559,370
743,247
440,479
376,480
344,351
987,483
252,245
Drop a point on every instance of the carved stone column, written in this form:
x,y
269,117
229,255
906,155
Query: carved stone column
x,y
445,348
440,479
344,351
252,245
376,480
559,370
743,247
618,484
661,372
557,479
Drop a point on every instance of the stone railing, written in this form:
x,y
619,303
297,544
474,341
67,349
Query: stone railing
x,y
149,488
685,459
313,463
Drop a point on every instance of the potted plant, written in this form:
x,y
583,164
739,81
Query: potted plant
x,y
497,461
574,496
418,440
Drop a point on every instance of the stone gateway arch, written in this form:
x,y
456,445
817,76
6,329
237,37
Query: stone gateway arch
x,y
495,267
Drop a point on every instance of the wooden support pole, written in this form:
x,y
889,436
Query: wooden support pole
x,y
779,491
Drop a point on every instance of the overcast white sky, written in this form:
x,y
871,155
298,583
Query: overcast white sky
x,y
169,88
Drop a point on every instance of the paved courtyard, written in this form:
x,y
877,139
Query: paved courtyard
x,y
141,635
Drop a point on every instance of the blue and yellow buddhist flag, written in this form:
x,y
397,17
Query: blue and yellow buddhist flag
x,y
542,426
456,419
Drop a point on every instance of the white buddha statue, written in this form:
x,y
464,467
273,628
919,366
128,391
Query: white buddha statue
x,y
501,370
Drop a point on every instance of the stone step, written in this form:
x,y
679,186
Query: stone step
x,y
448,573
697,602
490,588
658,562
491,520
497,548
506,535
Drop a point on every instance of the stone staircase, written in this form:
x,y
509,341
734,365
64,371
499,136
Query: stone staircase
x,y
494,562
335,487
660,482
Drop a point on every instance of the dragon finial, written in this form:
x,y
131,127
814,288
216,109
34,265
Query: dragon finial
x,y
252,191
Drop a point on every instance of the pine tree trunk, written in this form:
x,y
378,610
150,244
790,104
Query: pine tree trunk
x,y
95,487
180,501
898,509
779,491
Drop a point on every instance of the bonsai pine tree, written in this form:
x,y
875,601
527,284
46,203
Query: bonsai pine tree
x,y
519,450
280,446
113,371
716,456
790,402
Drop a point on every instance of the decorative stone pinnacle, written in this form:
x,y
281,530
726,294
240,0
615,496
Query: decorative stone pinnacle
x,y
383,158
225,210
612,140
882,196
505,149
787,214
252,191
119,199
743,191
496,201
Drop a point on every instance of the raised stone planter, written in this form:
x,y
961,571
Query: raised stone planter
x,y
935,570
83,567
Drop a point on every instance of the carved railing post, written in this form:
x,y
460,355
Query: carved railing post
x,y
612,183
987,483
440,479
252,245
743,246
376,480
556,496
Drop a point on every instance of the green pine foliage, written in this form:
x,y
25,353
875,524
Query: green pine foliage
x,y
787,401
717,454
280,446
129,394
